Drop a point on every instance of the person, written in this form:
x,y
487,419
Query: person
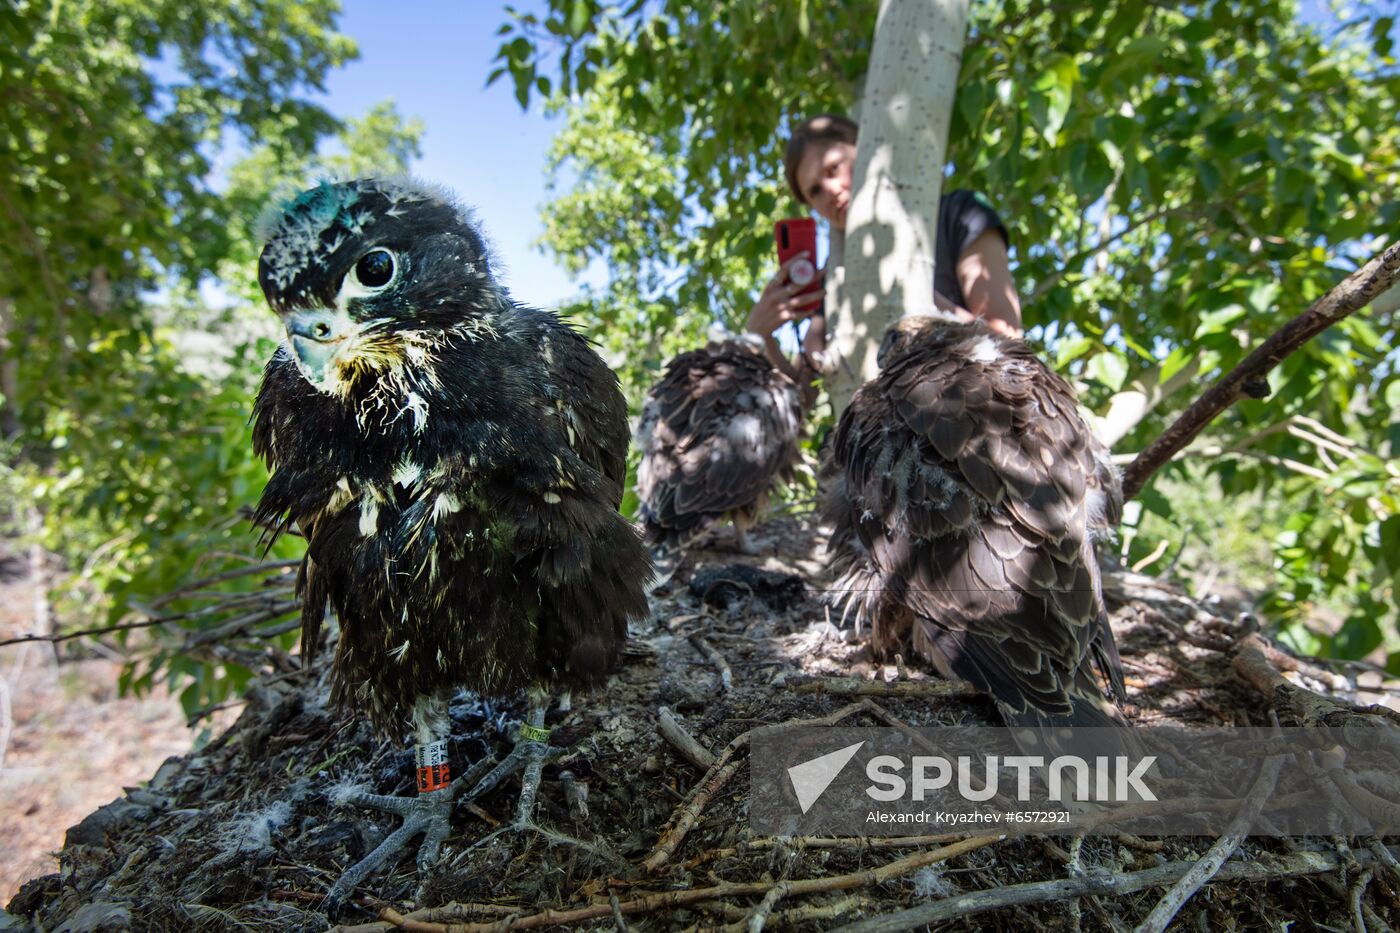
x,y
972,274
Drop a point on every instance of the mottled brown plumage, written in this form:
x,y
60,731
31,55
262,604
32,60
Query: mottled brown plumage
x,y
717,433
966,493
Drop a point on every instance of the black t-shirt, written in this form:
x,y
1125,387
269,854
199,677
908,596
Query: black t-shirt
x,y
963,216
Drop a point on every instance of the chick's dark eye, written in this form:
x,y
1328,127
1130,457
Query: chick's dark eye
x,y
375,268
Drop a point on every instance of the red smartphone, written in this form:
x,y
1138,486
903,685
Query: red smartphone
x,y
799,235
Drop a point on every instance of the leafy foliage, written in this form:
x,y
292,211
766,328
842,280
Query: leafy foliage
x,y
125,393
1178,182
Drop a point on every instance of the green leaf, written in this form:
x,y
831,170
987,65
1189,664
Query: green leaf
x,y
1303,640
1109,368
1263,296
1073,348
1358,637
579,17
1219,321
1051,95
1381,40
1155,502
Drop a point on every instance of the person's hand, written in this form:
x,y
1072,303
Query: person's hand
x,y
776,305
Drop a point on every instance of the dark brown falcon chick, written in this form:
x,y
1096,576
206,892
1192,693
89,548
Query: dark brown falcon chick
x,y
455,461
717,434
966,494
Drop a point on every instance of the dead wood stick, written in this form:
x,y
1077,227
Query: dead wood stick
x,y
224,578
689,813
619,924
853,687
724,768
675,733
1168,907
765,907
685,897
1358,891
237,625
67,636
1378,810
1351,294
857,843
273,611
1259,663
808,914
726,676
1266,868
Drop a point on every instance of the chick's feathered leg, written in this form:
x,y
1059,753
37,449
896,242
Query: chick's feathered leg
x,y
429,813
531,752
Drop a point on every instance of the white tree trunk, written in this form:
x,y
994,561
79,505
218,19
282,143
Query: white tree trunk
x,y
892,222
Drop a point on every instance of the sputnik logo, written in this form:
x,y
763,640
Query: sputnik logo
x,y
811,778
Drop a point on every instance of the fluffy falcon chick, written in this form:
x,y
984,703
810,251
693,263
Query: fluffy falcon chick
x,y
966,494
455,461
716,434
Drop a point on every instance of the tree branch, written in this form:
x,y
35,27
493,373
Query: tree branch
x,y
1356,291
1037,892
1207,868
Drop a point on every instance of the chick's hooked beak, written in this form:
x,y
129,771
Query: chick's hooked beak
x,y
316,336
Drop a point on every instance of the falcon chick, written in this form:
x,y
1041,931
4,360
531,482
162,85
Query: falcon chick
x,y
717,433
455,461
966,494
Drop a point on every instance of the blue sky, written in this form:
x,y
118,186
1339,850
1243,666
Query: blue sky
x,y
432,59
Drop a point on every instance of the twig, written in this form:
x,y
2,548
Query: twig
x,y
1354,292
237,625
224,577
724,768
858,843
726,676
1224,847
68,636
1258,663
619,923
687,896
797,916
1266,868
765,907
1358,890
1384,814
1385,858
912,689
675,733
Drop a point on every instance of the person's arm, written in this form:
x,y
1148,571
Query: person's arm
x,y
984,275
776,307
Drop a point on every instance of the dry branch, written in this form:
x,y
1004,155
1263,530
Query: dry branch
x,y
724,768
683,898
726,676
685,743
1264,868
1224,847
853,687
1353,293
